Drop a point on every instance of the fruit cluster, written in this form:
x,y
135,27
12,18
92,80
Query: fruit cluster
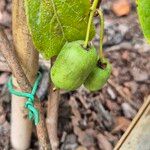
x,y
76,65
78,62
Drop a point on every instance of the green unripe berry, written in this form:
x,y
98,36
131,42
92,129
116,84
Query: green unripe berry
x,y
99,76
73,65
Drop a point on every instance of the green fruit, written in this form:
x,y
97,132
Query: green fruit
x,y
73,65
99,76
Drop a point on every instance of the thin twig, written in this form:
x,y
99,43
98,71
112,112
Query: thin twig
x,y
133,123
52,115
9,53
121,46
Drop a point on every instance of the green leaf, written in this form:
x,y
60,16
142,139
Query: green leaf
x,y
144,17
54,22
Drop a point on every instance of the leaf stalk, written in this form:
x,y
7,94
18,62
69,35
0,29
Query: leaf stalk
x,y
92,11
100,12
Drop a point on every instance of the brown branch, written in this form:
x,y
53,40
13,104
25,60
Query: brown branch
x,y
9,53
52,115
4,67
3,64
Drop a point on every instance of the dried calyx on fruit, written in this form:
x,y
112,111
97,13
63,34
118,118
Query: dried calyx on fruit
x,y
73,65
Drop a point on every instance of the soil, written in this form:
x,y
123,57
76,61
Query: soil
x,y
92,120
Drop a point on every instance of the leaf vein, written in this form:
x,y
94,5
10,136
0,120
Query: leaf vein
x,y
55,12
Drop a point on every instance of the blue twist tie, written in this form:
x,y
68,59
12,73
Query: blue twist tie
x,y
29,104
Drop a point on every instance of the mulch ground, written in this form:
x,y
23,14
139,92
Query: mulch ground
x,y
93,120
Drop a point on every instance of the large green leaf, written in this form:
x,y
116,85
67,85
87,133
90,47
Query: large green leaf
x,y
144,17
54,22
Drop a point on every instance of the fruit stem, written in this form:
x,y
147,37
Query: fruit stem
x,y
100,12
92,11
